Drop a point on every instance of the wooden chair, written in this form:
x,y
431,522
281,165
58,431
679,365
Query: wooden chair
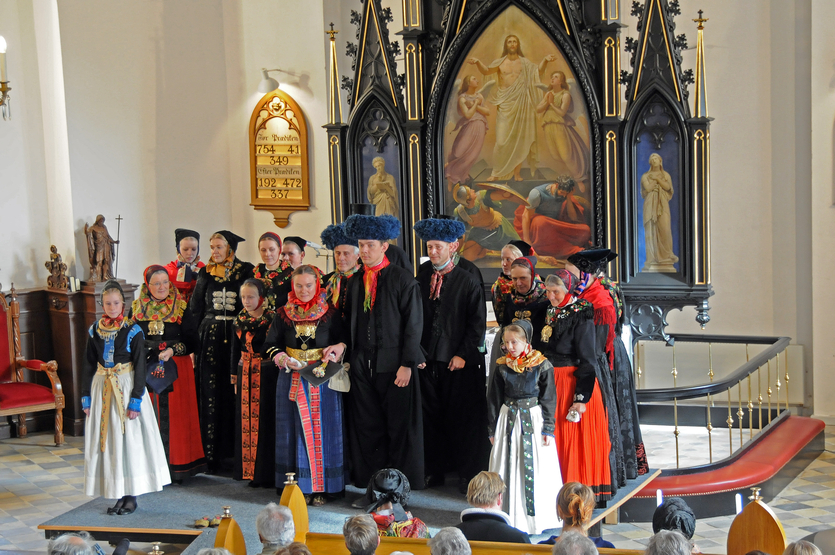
x,y
756,527
16,395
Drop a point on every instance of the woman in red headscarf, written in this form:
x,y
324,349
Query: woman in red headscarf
x,y
307,333
159,310
564,332
254,380
183,271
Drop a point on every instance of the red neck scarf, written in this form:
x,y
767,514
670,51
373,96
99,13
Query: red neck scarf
x,y
313,309
438,280
369,279
604,313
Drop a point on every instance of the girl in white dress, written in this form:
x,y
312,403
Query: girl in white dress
x,y
123,452
521,404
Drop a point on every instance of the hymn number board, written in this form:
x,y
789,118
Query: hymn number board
x,y
279,157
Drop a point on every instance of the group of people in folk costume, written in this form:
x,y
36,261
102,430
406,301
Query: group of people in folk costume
x,y
335,377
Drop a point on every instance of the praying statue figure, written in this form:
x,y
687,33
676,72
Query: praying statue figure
x,y
515,98
657,190
101,249
382,191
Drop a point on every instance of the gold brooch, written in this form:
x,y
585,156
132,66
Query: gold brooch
x,y
546,333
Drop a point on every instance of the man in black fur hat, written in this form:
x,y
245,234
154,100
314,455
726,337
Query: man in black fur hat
x,y
383,310
452,383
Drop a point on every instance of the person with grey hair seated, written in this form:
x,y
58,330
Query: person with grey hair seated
x,y
214,551
449,541
275,528
668,542
80,543
361,535
574,543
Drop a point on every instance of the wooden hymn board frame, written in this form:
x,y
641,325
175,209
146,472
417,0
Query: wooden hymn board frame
x,y
278,157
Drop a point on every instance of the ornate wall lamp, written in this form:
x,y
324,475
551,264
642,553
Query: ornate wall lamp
x,y
4,82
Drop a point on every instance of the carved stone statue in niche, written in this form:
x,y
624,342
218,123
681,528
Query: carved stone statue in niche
x,y
57,270
382,191
657,190
101,249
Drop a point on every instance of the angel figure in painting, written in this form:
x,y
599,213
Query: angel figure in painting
x,y
561,135
471,127
515,99
382,191
657,190
101,249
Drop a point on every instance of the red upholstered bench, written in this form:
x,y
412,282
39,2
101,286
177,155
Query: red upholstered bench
x,y
17,397
756,465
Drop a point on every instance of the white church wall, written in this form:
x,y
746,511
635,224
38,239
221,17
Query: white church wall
x,y
24,245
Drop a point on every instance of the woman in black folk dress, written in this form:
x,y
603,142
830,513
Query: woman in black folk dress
x,y
214,306
273,271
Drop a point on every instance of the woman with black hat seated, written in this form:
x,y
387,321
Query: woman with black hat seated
x,y
388,492
214,305
183,271
273,271
305,342
163,316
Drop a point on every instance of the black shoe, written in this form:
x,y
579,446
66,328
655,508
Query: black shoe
x,y
129,505
114,510
433,480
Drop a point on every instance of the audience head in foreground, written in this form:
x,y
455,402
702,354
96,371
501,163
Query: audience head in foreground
x,y
361,535
674,514
388,492
449,541
295,548
575,504
275,526
574,543
214,551
802,547
80,543
668,542
485,520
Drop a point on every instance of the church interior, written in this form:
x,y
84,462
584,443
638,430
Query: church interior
x,y
157,115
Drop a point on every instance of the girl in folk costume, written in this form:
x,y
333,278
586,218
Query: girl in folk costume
x,y
273,271
183,271
123,452
346,254
292,253
160,312
565,334
254,380
214,306
305,341
520,406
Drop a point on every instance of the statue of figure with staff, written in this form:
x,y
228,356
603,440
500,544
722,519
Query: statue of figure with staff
x,y
101,249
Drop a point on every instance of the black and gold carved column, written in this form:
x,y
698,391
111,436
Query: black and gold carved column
x,y
699,127
337,131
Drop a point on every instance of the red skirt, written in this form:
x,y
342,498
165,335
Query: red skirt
x,y
583,446
183,442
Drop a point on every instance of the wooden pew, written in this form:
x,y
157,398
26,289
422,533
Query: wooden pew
x,y
334,544
756,527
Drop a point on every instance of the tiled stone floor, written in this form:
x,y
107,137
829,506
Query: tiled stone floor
x,y
39,481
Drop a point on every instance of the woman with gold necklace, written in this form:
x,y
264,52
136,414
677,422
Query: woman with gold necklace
x,y
308,331
159,310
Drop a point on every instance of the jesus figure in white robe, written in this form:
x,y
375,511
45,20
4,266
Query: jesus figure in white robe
x,y
515,99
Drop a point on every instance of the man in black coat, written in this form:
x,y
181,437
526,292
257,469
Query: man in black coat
x,y
383,310
486,521
453,381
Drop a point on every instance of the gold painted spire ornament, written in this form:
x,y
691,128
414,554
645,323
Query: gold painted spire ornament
x,y
334,101
700,102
